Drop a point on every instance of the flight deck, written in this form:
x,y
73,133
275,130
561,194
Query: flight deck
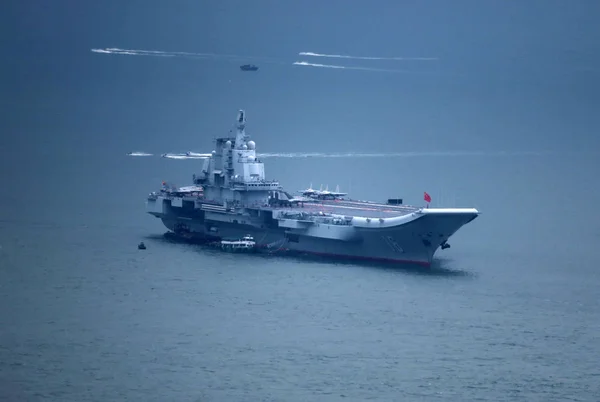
x,y
351,208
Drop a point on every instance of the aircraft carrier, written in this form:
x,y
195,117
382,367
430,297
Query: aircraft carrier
x,y
231,197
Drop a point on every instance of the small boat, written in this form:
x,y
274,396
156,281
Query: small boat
x,y
248,67
245,244
141,246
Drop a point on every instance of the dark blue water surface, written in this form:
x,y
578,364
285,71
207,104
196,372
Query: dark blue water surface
x,y
510,312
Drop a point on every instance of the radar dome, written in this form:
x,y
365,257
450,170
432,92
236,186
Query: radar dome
x,y
244,146
214,152
228,144
251,159
251,145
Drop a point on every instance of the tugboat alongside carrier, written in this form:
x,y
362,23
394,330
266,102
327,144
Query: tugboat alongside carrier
x,y
230,197
244,245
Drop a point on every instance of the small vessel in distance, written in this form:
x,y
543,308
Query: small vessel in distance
x,y
245,244
248,67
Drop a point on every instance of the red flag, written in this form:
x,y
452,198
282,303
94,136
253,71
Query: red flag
x,y
427,197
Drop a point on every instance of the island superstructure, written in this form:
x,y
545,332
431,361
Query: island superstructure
x,y
231,197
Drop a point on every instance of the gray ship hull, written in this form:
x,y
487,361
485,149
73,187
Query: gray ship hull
x,y
413,237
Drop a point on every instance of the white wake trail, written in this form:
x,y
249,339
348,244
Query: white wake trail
x,y
376,154
400,154
189,55
304,63
342,56
270,60
130,53
187,155
199,155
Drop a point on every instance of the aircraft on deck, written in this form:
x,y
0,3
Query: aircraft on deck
x,y
322,194
300,200
331,195
309,192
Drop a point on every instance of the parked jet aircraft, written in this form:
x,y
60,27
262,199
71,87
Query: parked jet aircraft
x,y
331,195
322,194
309,191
